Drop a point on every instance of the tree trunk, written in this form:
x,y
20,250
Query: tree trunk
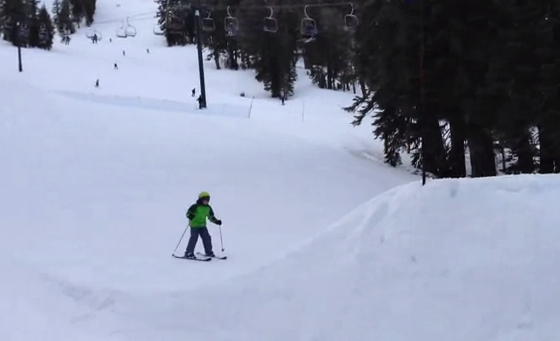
x,y
457,166
434,156
481,147
363,87
524,152
548,146
217,59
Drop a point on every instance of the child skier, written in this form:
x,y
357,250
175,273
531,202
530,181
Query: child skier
x,y
197,215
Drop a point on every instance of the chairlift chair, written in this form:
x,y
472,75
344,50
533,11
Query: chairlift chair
x,y
94,34
270,24
208,24
158,31
7,26
351,21
43,33
121,31
175,25
308,26
90,33
23,31
231,29
131,31
231,24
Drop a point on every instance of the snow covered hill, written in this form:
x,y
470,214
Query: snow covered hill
x,y
95,183
456,260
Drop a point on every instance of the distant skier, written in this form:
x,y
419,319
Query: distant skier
x,y
124,53
116,66
197,214
282,96
97,83
148,51
193,93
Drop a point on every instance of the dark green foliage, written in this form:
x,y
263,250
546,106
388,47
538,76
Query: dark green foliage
x,y
70,14
273,55
176,21
13,17
62,15
462,76
77,9
446,81
24,24
329,56
45,29
83,10
223,48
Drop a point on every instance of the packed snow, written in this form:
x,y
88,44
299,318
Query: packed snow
x,y
455,260
95,183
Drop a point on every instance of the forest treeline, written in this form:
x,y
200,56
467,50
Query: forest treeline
x,y
243,34
26,24
452,82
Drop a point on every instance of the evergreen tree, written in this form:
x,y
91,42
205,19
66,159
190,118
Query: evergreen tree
x,y
46,29
32,11
88,10
272,52
65,24
548,54
329,55
217,41
77,10
17,20
428,63
176,21
56,7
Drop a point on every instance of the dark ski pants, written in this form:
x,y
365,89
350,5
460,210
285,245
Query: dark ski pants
x,y
204,235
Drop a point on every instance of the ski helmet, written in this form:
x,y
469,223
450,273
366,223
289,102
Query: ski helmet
x,y
204,195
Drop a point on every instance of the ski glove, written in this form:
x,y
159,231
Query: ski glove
x,y
219,222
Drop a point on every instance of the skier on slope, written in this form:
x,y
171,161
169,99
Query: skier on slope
x,y
197,214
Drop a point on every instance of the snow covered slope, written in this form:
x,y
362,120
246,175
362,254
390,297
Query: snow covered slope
x,y
94,182
456,260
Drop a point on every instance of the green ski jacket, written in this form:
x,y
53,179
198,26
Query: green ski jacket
x,y
198,213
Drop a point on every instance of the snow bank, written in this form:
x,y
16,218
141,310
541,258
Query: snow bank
x,y
458,260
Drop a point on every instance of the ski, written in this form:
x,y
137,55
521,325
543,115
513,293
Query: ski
x,y
217,257
197,259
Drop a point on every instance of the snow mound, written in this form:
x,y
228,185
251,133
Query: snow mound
x,y
462,260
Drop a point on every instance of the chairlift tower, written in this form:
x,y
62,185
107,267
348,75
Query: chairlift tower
x,y
19,34
202,102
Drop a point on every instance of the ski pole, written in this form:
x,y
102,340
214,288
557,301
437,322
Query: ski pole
x,y
181,239
221,239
